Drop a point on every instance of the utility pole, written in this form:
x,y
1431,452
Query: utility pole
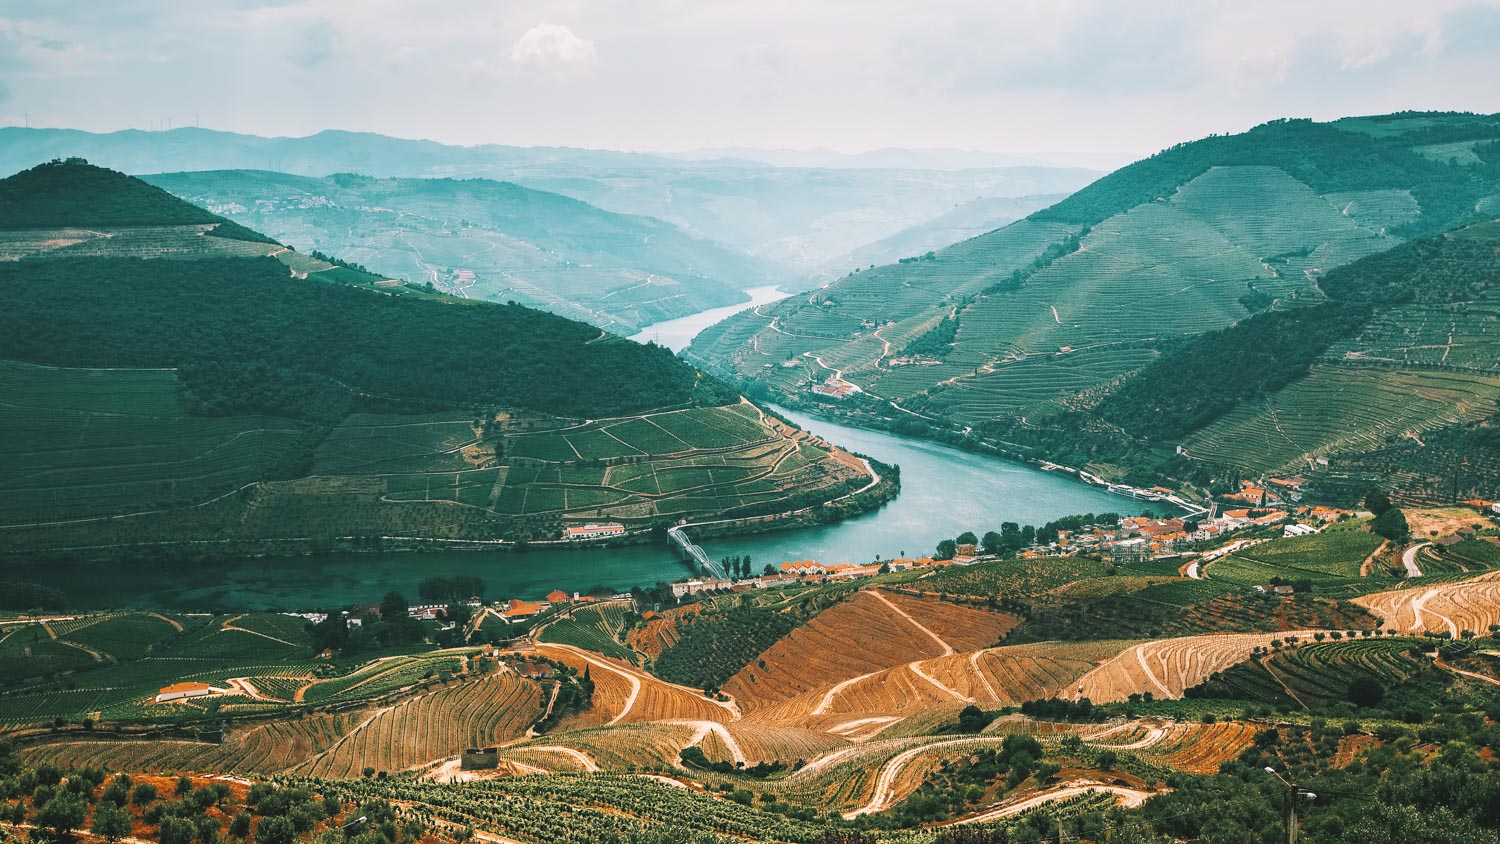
x,y
1289,804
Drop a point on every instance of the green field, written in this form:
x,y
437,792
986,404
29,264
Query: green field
x,y
1332,557
133,447
115,663
593,628
88,442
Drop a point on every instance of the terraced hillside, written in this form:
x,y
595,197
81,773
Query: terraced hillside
x,y
1031,337
1315,673
936,737
859,637
229,389
481,239
970,219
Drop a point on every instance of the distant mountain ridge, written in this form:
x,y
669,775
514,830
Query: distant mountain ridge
x,y
967,220
482,239
796,216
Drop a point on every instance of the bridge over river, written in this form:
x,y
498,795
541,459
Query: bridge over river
x,y
695,554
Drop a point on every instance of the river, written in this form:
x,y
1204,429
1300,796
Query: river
x,y
944,492
676,334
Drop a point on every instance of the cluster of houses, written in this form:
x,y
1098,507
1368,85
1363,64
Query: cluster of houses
x,y
834,387
1142,538
808,572
517,609
1489,508
1273,492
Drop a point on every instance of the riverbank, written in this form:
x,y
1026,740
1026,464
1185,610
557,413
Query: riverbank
x,y
951,436
944,491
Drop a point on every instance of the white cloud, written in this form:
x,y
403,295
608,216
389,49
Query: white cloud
x,y
553,48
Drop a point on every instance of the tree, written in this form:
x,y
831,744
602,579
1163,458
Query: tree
x,y
240,826
945,550
991,542
1391,524
111,822
394,606
143,793
1365,690
1377,501
62,814
968,538
173,830
1010,535
973,719
277,830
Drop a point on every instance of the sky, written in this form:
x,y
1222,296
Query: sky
x,y
1092,82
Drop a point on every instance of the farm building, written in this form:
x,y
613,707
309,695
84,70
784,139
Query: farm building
x,y
534,670
803,567
557,596
181,691
594,531
835,388
1130,550
478,759
518,608
693,587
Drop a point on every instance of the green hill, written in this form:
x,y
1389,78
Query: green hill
x,y
1016,336
1402,359
209,389
483,239
61,194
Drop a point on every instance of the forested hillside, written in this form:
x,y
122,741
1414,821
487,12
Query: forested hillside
x,y
56,195
1016,336
165,384
247,341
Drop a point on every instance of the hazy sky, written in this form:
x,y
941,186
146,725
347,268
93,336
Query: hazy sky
x,y
1061,79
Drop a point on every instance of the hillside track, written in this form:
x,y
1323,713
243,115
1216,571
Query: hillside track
x,y
947,648
649,698
1125,796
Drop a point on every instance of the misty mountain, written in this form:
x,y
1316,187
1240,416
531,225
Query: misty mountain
x,y
491,240
798,216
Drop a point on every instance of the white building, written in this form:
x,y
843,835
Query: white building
x,y
594,531
181,691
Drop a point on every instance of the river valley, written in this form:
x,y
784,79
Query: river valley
x,y
944,492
